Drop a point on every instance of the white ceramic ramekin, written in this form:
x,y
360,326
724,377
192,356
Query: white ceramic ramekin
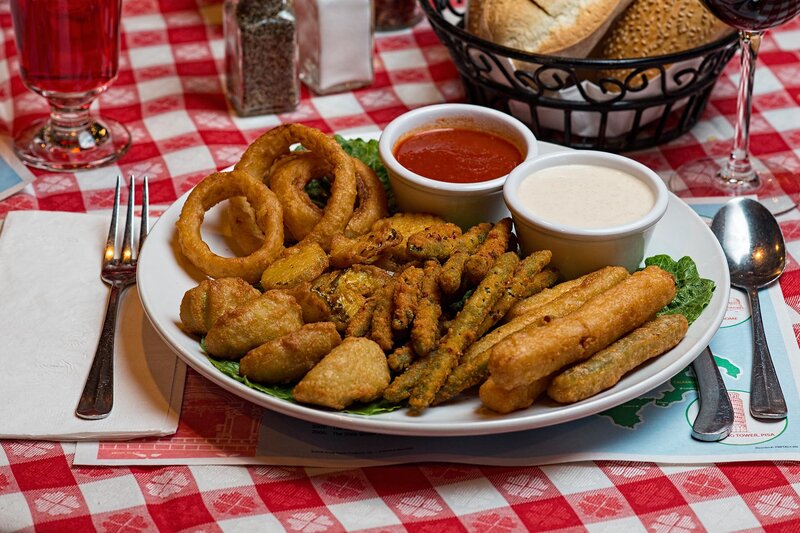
x,y
465,204
577,251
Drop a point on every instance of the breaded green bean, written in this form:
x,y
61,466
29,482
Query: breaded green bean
x,y
361,323
496,243
435,242
401,386
401,358
453,268
381,326
462,332
425,328
473,366
405,297
605,368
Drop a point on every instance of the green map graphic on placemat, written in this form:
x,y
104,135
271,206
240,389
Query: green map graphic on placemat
x,y
629,414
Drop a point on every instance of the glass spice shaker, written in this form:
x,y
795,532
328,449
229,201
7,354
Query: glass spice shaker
x,y
396,14
335,40
261,56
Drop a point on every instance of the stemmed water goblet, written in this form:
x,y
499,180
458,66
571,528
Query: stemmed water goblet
x,y
69,54
772,180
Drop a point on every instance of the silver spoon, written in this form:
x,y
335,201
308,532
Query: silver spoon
x,y
715,417
753,244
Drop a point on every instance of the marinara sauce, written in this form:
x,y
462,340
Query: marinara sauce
x,y
457,155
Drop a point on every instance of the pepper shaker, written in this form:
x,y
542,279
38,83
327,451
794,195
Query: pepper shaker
x,y
335,40
261,59
393,15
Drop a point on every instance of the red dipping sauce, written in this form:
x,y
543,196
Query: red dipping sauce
x,y
457,155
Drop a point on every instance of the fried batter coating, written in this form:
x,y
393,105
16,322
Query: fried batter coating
x,y
364,249
201,306
525,306
434,242
289,357
425,328
405,297
504,401
252,324
605,368
381,325
453,268
305,263
496,243
315,308
354,371
462,332
346,291
361,323
406,225
473,368
535,352
401,358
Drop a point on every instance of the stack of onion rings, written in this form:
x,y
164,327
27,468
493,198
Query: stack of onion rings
x,y
289,177
267,213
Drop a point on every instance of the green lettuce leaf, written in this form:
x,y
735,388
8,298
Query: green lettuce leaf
x,y
367,151
694,293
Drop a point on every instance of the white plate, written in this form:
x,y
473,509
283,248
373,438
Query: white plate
x,y
164,276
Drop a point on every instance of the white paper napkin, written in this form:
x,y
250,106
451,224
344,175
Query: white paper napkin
x,y
52,304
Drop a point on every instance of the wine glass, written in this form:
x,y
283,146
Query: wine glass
x,y
772,180
69,53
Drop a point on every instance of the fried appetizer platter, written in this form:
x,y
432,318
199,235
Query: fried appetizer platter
x,y
348,303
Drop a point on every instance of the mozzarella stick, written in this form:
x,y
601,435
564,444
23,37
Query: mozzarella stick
x,y
504,401
535,352
523,307
605,368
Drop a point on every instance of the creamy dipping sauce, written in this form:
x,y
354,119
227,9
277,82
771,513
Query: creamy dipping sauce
x,y
586,196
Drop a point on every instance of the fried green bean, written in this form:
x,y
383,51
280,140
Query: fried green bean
x,y
381,326
453,268
401,358
425,328
605,368
496,243
405,297
435,242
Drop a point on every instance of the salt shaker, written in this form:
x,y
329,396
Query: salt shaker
x,y
393,15
335,39
261,58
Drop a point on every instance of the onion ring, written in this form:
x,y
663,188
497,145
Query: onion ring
x,y
261,154
268,214
289,177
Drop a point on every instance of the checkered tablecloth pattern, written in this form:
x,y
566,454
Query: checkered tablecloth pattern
x,y
169,93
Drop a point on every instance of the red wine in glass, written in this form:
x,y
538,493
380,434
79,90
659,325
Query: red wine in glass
x,y
68,52
773,180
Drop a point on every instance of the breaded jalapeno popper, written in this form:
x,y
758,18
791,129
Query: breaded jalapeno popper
x,y
535,352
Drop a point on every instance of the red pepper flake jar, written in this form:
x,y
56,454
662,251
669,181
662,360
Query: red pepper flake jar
x,y
261,63
396,14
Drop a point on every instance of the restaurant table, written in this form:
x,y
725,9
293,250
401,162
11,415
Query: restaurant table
x,y
170,95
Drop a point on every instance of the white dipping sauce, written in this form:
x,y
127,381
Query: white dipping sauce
x,y
586,196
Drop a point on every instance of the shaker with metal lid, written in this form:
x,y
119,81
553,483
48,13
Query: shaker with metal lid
x,y
261,56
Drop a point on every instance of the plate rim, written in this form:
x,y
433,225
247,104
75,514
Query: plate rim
x,y
414,426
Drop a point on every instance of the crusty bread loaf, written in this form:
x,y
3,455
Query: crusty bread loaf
x,y
556,27
656,27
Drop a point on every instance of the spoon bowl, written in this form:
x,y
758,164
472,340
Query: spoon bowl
x,y
754,247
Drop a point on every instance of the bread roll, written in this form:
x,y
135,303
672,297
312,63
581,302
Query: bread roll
x,y
656,27
569,28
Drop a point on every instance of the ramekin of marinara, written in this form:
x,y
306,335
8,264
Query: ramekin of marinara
x,y
452,160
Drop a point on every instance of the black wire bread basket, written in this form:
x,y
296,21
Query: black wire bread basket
x,y
606,104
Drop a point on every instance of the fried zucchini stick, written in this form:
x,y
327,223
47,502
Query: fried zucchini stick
x,y
436,242
462,332
496,243
505,401
453,268
605,368
535,352
425,328
533,301
473,366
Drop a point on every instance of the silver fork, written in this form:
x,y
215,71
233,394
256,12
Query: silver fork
x,y
97,397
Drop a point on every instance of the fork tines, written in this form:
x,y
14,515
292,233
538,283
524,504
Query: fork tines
x,y
127,255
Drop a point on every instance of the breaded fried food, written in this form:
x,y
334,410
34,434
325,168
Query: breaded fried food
x,y
496,243
535,352
401,358
364,249
201,306
354,371
315,308
404,299
406,225
251,324
289,357
381,324
505,401
346,291
425,328
434,242
605,368
453,268
525,306
473,367
306,263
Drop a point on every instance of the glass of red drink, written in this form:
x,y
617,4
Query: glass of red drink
x,y
69,53
772,179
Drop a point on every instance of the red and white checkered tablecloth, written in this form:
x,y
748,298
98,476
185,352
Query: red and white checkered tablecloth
x,y
169,93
